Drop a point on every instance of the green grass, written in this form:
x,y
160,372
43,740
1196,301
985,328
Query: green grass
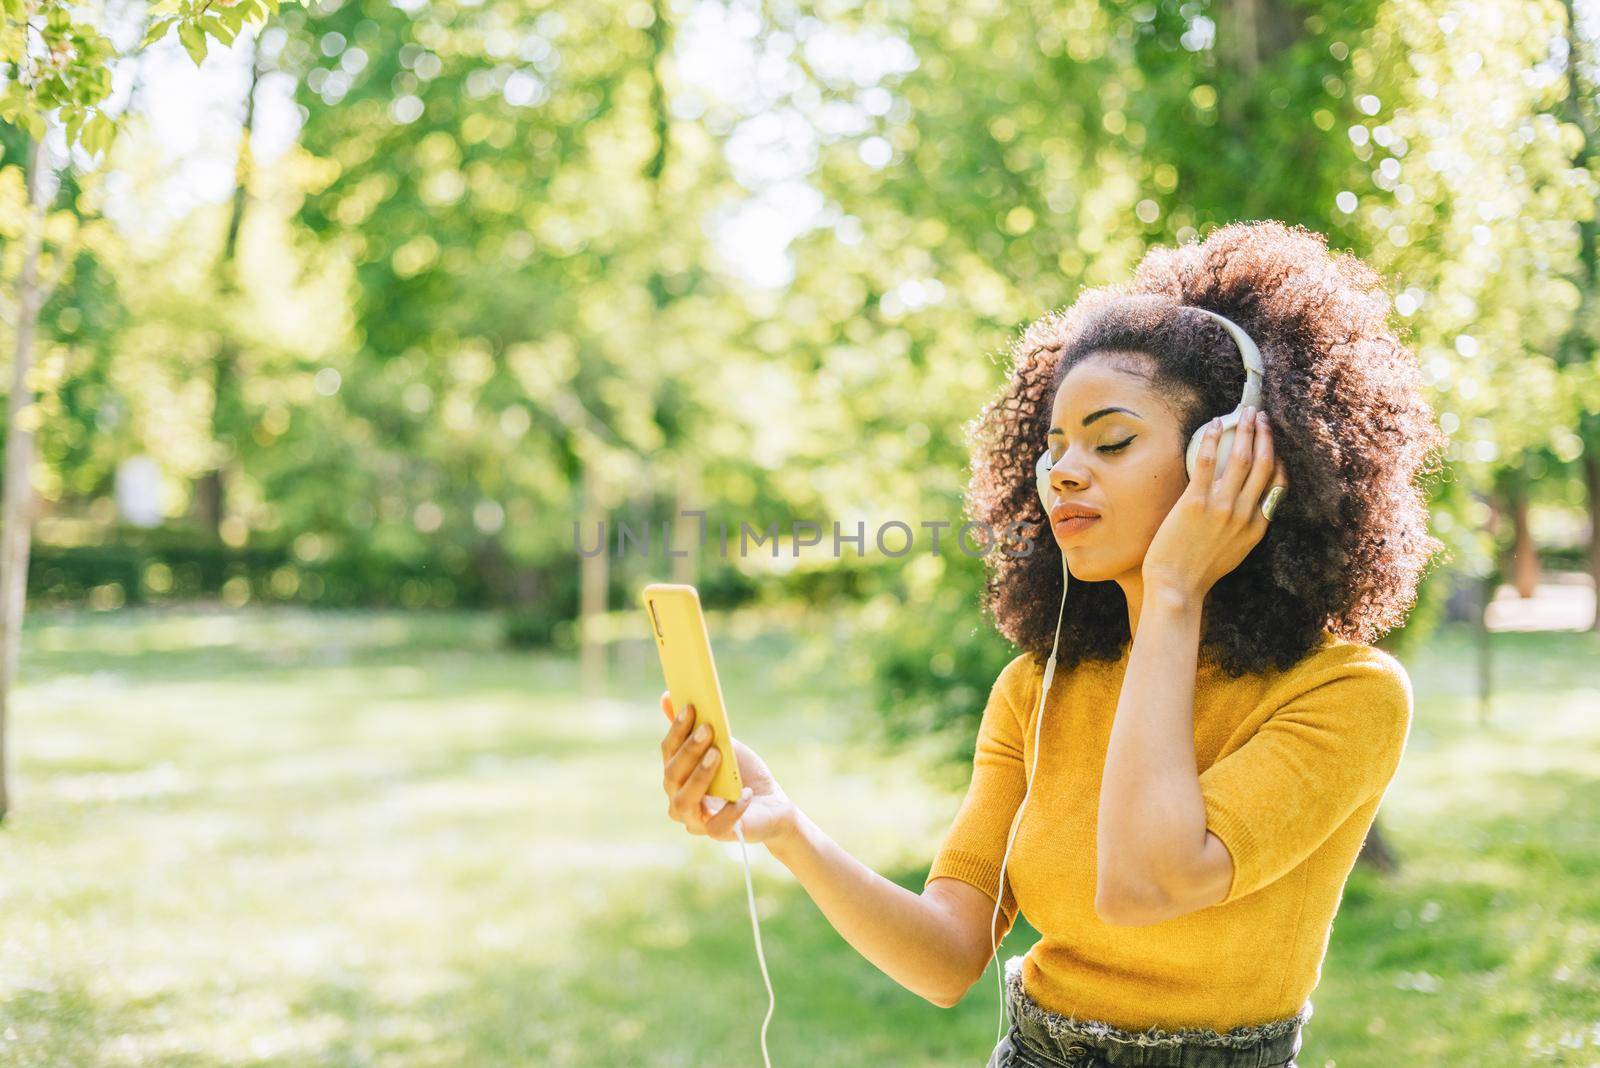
x,y
286,838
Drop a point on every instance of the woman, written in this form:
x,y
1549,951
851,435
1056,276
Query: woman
x,y
1220,732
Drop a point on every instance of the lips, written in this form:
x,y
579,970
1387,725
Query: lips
x,y
1066,511
1071,518
1074,523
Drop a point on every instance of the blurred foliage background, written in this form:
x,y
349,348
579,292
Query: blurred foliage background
x,y
495,261
432,282
389,304
426,288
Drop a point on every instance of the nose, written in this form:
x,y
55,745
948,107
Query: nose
x,y
1064,474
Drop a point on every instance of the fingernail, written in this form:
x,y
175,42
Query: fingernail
x,y
702,732
683,714
710,758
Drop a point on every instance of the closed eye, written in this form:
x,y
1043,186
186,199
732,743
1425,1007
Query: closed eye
x,y
1118,447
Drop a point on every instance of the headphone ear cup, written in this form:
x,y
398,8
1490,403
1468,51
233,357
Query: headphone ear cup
x,y
1224,450
1041,478
1191,455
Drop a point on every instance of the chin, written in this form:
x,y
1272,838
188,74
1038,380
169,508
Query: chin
x,y
1084,569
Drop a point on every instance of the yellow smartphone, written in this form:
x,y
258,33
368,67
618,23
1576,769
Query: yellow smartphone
x,y
679,628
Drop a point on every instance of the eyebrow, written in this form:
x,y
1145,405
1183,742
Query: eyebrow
x,y
1092,416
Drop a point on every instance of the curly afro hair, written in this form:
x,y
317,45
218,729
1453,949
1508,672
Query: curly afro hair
x,y
1349,542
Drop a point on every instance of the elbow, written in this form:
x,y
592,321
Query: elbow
x,y
1132,903
1140,896
949,999
1114,912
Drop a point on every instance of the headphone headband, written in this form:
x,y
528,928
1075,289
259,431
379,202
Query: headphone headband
x,y
1248,353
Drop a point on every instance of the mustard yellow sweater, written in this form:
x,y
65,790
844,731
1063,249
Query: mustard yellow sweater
x,y
1293,765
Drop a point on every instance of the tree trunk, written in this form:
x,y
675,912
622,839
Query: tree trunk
x,y
685,529
1376,852
208,491
1250,33
1580,346
16,518
1591,481
1524,554
530,585
1238,39
211,493
496,570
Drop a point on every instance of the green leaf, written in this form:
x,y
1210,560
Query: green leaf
x,y
158,29
214,25
194,41
13,101
98,132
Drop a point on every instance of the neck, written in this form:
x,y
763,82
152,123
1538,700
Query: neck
x,y
1133,589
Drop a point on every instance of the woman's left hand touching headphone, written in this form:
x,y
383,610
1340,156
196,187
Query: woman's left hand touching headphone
x,y
1217,521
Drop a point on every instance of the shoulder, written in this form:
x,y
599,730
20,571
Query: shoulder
x,y
1367,681
1020,671
1019,680
1341,659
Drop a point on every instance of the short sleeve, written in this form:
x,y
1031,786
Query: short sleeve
x,y
976,842
1321,755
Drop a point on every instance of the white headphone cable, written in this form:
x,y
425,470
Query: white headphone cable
x,y
749,887
1250,355
1038,721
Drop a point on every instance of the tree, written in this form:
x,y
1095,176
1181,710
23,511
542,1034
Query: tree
x,y
1469,186
57,70
521,209
1578,351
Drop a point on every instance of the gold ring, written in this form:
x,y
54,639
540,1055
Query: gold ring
x,y
1270,505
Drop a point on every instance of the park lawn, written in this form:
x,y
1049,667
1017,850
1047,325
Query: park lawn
x,y
278,837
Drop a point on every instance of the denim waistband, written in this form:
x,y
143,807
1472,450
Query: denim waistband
x,y
1075,1041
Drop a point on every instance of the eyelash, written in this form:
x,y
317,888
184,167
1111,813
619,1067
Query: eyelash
x,y
1118,447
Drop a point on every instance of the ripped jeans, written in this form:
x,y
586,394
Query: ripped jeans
x,y
1039,1038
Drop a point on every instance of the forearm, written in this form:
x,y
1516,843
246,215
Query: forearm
x,y
904,934
1152,817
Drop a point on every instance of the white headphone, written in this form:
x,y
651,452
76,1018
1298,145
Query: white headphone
x,y
1251,398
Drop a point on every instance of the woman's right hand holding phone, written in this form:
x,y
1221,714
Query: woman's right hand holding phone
x,y
764,812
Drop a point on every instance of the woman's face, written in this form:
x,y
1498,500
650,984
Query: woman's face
x,y
1116,451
